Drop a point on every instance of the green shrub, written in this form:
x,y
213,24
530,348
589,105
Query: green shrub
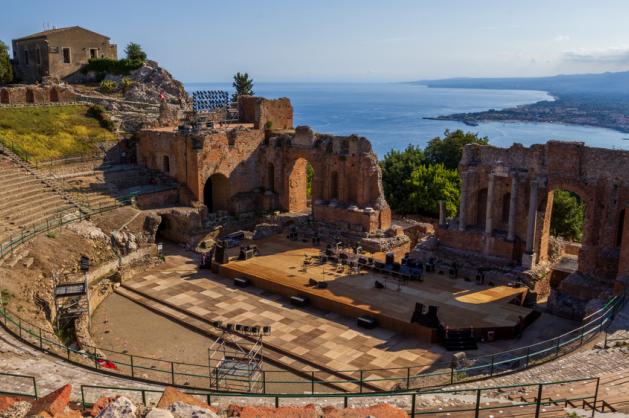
x,y
126,84
104,66
108,86
99,113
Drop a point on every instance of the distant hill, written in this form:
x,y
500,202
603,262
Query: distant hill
x,y
561,85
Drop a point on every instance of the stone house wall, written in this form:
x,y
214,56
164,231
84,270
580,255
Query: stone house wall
x,y
35,94
49,46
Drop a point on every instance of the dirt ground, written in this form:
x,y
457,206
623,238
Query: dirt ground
x,y
119,324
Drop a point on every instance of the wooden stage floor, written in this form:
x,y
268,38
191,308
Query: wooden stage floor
x,y
279,267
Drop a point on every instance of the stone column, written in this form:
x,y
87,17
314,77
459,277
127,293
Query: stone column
x,y
513,201
463,203
530,230
442,212
489,210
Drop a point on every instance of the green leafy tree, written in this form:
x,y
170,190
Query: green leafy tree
x,y
135,52
449,150
309,178
243,85
567,216
6,70
397,167
430,183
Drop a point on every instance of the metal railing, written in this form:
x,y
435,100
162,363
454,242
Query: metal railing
x,y
198,376
12,384
529,399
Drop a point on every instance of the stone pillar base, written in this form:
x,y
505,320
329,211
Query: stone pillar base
x,y
528,260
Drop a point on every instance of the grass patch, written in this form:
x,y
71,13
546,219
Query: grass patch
x,y
43,133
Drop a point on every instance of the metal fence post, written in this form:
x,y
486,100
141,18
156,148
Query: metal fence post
x,y
598,381
41,342
172,372
451,374
131,363
312,383
477,408
408,378
361,381
538,400
263,381
413,403
491,371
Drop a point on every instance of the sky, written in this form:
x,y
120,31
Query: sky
x,y
348,40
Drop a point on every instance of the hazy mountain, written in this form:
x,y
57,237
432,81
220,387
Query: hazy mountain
x,y
561,85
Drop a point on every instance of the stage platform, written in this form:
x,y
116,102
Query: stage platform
x,y
462,304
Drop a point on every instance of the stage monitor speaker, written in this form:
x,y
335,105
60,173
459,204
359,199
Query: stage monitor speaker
x,y
221,254
389,258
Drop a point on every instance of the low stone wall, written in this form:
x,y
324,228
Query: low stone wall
x,y
36,95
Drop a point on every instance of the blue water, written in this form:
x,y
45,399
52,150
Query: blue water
x,y
391,115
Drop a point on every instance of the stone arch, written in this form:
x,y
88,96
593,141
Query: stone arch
x,y
54,95
217,193
481,207
334,185
546,209
270,177
4,96
30,96
298,199
506,203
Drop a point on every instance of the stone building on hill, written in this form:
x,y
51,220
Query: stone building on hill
x,y
58,53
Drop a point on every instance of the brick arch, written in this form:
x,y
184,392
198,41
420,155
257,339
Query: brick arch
x,y
296,197
217,192
590,234
4,96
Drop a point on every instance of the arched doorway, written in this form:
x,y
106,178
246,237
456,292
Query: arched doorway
x,y
4,96
216,193
270,177
565,221
30,96
481,207
54,95
334,185
301,186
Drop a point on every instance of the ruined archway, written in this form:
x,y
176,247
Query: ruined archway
x,y
564,220
217,193
4,96
54,95
30,96
270,177
166,164
300,186
334,185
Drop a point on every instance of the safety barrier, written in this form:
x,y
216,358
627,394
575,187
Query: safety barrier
x,y
530,399
199,376
12,384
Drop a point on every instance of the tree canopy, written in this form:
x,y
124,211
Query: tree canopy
x,y
243,85
449,150
397,167
6,70
567,216
429,184
135,52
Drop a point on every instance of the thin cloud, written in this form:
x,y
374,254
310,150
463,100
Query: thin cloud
x,y
598,56
561,38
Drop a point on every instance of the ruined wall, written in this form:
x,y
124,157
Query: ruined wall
x,y
266,114
598,176
241,169
35,94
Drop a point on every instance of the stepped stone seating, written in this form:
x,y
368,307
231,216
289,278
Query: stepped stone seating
x,y
26,199
110,183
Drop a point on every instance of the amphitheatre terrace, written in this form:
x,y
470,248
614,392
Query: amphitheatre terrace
x,y
228,253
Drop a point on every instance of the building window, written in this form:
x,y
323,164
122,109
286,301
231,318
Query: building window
x,y
37,56
25,57
93,53
66,55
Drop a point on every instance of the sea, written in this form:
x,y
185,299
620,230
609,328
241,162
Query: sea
x,y
391,115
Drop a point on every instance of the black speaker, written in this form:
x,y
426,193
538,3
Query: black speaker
x,y
389,259
221,255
